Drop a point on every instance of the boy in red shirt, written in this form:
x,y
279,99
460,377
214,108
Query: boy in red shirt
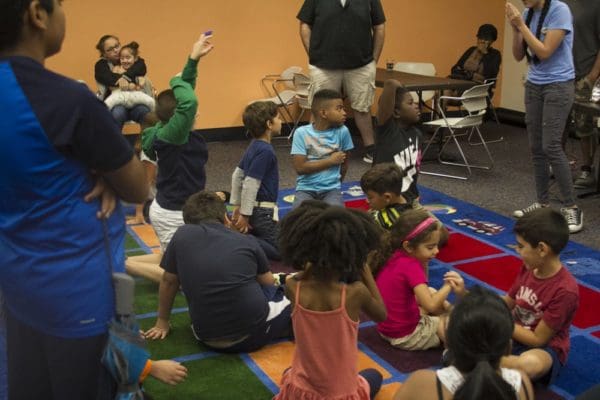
x,y
543,298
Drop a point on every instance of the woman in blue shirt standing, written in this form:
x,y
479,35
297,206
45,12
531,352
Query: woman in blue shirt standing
x,y
544,35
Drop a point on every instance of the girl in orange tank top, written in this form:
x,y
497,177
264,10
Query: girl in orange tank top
x,y
330,245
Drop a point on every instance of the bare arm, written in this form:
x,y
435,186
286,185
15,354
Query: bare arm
x,y
303,166
169,285
595,71
129,181
432,303
305,31
378,39
373,304
387,101
344,169
537,338
543,50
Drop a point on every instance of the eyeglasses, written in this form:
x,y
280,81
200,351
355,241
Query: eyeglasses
x,y
113,48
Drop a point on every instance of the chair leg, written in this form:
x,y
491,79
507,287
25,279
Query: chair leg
x,y
479,143
452,136
296,123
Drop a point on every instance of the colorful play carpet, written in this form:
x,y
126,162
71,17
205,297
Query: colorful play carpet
x,y
479,248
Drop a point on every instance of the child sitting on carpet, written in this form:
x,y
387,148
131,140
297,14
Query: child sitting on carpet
x,y
397,139
383,185
255,181
329,245
479,332
138,92
319,151
543,298
400,271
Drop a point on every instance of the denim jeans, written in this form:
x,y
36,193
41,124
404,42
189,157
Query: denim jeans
x,y
122,114
331,197
547,109
266,231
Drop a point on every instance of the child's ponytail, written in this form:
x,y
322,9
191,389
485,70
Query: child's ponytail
x,y
483,382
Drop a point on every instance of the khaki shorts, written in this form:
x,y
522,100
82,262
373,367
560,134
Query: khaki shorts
x,y
423,337
358,84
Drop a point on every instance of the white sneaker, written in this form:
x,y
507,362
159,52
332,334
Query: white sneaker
x,y
523,211
574,217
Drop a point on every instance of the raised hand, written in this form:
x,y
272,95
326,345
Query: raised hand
x,y
202,47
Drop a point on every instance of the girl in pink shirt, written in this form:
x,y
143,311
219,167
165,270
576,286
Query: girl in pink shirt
x,y
330,245
413,308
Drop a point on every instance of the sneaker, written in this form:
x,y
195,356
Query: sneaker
x,y
574,217
584,180
523,211
369,153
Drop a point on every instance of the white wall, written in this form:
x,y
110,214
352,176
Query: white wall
x,y
513,73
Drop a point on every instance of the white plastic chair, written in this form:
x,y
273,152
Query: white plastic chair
x,y
474,102
301,84
280,88
419,68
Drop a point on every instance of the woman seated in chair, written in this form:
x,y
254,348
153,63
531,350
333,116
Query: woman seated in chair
x,y
480,62
110,75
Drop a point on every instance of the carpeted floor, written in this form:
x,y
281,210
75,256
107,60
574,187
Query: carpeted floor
x,y
478,249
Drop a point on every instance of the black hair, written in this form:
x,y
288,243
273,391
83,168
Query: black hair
x,y
328,242
202,207
533,58
133,46
323,96
381,178
393,239
165,105
544,225
487,32
11,20
479,333
256,116
103,39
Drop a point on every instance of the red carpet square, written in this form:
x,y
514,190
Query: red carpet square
x,y
587,314
597,334
499,272
361,204
462,247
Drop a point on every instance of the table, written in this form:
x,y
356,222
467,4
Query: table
x,y
419,83
594,109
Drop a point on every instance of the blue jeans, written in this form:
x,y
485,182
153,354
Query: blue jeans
x,y
122,114
266,231
331,197
547,108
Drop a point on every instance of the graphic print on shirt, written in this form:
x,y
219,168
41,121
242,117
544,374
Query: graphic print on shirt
x,y
532,313
318,148
409,159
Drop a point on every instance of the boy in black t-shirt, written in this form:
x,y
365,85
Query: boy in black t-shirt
x,y
397,139
255,181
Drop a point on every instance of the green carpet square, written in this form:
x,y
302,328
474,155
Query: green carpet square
x,y
221,377
179,342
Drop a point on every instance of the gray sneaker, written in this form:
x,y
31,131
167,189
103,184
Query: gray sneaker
x,y
574,217
584,180
523,211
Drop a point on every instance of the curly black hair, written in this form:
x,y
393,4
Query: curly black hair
x,y
328,242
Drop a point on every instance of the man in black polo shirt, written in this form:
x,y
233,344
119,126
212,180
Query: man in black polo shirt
x,y
344,39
